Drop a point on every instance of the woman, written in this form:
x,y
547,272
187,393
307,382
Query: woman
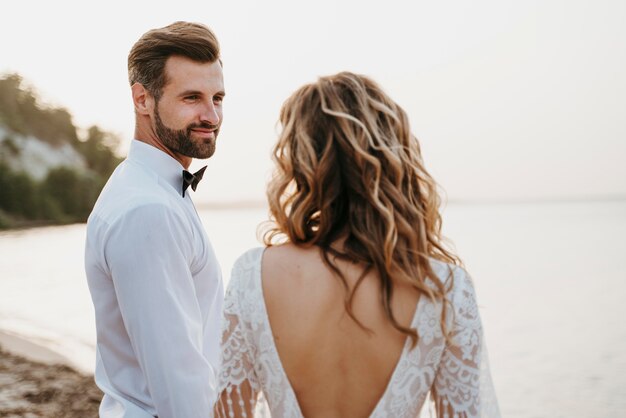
x,y
360,311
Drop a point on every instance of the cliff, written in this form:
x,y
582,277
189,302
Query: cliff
x,y
48,172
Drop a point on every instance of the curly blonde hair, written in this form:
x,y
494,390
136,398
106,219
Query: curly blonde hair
x,y
348,168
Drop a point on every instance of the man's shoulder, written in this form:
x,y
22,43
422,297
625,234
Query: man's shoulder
x,y
131,191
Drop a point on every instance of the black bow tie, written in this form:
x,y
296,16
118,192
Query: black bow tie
x,y
192,179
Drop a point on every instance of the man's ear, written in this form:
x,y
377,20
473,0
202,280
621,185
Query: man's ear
x,y
142,99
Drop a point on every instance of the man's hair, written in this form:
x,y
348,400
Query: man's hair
x,y
147,58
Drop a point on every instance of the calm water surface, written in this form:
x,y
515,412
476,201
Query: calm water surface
x,y
550,279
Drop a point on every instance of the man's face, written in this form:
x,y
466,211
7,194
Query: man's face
x,y
188,115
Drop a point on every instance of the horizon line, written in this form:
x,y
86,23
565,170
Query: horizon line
x,y
262,204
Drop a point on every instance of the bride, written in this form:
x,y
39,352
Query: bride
x,y
355,308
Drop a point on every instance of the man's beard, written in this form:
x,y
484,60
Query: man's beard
x,y
179,141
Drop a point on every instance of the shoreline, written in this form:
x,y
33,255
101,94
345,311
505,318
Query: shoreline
x,y
29,350
37,382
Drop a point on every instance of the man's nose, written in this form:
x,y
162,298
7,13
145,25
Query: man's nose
x,y
210,114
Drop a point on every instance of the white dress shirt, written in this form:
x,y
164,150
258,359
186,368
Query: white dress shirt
x,y
157,291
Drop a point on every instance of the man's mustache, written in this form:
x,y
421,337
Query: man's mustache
x,y
202,125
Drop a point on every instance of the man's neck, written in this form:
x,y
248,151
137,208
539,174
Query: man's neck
x,y
149,137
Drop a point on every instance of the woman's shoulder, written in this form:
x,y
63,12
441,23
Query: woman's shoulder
x,y
288,255
454,277
460,294
249,258
243,293
283,255
286,259
244,269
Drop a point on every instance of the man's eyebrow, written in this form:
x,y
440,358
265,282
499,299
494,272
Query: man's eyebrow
x,y
221,93
191,93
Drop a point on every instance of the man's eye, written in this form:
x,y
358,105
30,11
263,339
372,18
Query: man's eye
x,y
192,97
218,99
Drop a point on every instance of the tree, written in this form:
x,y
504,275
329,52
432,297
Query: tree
x,y
98,151
74,193
65,195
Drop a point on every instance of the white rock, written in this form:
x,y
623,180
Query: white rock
x,y
37,157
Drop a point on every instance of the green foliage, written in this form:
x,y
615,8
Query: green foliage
x,y
98,151
5,221
10,103
9,145
65,195
74,194
18,194
22,113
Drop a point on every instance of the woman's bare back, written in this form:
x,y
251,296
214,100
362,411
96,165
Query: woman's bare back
x,y
335,367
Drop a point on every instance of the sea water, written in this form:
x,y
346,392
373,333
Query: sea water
x,y
550,280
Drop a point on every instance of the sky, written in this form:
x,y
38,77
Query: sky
x,y
511,100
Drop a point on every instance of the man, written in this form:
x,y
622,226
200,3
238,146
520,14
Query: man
x,y
154,280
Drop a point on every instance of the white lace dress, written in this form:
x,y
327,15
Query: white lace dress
x,y
253,383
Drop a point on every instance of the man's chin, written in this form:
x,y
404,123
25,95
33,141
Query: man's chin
x,y
205,156
203,152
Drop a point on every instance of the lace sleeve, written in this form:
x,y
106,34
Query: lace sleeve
x,y
463,386
238,387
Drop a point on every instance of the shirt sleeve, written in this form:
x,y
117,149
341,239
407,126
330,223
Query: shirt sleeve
x,y
463,386
149,252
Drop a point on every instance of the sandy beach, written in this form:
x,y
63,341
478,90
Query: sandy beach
x,y
37,382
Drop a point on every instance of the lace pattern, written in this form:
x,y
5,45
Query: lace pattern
x,y
453,378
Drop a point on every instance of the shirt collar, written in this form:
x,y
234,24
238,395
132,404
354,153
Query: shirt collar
x,y
163,165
